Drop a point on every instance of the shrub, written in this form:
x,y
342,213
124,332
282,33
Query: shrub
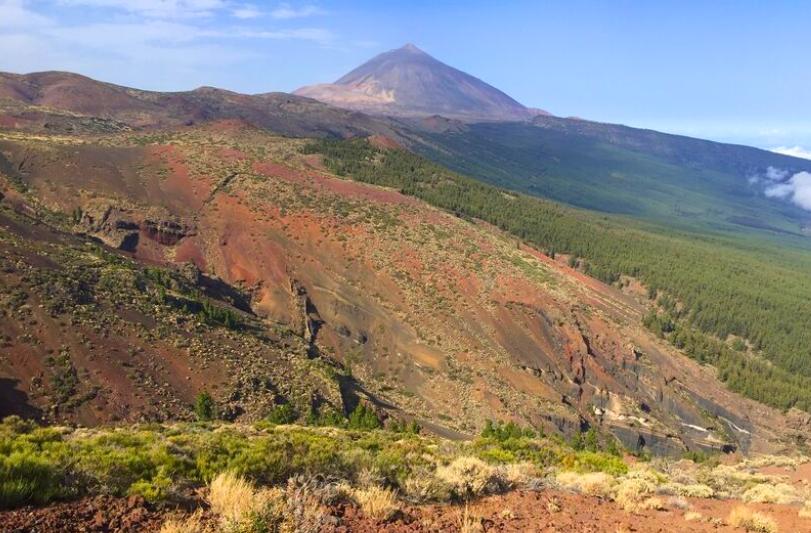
x,y
654,502
781,493
586,461
27,477
238,504
363,417
592,483
376,503
518,474
204,406
154,490
692,490
282,414
752,521
469,522
422,486
302,510
468,477
774,460
502,431
631,493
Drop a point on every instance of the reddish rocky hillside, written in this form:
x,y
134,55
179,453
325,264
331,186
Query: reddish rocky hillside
x,y
342,290
67,102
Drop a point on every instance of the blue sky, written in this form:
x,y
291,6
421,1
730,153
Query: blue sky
x,y
734,71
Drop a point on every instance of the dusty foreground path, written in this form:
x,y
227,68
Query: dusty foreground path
x,y
519,511
563,512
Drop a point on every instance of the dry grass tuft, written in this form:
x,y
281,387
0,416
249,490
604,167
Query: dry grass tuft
x,y
468,477
752,521
805,512
781,493
593,483
243,508
234,499
631,493
518,474
376,502
301,510
692,490
191,524
654,503
423,487
774,460
692,516
678,502
468,522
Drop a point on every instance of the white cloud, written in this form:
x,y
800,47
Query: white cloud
x,y
797,189
14,15
247,12
781,190
802,190
776,174
793,151
286,11
156,8
319,35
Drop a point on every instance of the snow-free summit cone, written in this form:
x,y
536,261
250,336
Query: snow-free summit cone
x,y
409,82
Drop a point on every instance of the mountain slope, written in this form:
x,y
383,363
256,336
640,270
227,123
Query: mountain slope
x,y
426,314
62,101
409,82
684,182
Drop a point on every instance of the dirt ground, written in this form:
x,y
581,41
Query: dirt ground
x,y
562,512
519,511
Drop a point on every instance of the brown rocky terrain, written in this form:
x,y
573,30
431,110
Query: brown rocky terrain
x,y
540,509
71,103
428,315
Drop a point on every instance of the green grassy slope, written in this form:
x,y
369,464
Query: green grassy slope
x,y
724,284
685,182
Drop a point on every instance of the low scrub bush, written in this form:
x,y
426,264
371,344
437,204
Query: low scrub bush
x,y
424,487
782,493
752,521
632,493
468,477
591,483
692,490
587,461
376,502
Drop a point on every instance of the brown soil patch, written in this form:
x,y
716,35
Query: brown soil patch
x,y
562,512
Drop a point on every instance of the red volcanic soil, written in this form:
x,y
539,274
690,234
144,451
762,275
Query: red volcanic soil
x,y
102,514
321,182
544,511
178,185
563,512
383,142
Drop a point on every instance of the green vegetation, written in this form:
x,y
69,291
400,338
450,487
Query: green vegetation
x,y
38,465
204,407
724,285
363,417
282,414
682,182
174,291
